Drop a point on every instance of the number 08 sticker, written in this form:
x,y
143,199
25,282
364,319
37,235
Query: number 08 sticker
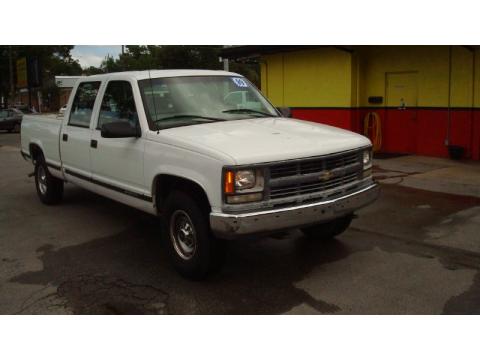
x,y
240,82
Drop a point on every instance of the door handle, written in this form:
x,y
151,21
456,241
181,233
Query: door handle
x,y
65,137
93,144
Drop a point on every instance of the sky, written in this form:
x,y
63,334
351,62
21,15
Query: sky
x,y
92,55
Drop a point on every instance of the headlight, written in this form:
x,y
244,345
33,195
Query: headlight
x,y
367,158
244,179
242,186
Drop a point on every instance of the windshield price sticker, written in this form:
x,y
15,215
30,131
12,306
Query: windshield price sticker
x,y
240,82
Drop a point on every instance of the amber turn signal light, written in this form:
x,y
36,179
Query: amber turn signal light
x,y
229,182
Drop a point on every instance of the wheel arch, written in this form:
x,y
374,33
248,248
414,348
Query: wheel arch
x,y
35,151
163,184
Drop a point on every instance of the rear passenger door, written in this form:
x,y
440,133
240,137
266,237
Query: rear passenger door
x,y
118,162
76,132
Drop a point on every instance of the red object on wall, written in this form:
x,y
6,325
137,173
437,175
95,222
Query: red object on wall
x,y
420,131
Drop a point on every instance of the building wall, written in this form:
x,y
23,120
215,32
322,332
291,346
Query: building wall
x,y
430,63
476,103
310,78
332,86
316,83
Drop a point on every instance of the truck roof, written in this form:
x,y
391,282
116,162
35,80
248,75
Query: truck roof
x,y
146,74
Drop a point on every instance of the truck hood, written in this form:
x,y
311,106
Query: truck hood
x,y
260,140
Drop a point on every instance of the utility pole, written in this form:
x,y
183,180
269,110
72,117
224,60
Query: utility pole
x,y
123,53
226,66
12,85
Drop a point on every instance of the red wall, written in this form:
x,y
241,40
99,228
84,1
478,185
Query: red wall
x,y
420,131
339,117
476,135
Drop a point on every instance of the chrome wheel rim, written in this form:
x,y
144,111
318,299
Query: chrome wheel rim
x,y
182,234
42,180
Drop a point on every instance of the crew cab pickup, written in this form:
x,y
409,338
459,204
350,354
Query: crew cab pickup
x,y
206,152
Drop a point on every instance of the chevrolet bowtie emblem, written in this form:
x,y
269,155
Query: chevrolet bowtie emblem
x,y
326,175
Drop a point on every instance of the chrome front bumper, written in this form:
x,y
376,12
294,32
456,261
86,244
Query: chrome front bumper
x,y
234,225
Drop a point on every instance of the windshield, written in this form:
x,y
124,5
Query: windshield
x,y
190,100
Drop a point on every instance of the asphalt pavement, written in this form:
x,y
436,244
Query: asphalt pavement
x,y
415,251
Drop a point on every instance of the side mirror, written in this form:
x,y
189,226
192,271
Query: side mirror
x,y
285,111
119,129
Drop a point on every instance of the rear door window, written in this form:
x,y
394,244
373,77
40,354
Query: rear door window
x,y
83,102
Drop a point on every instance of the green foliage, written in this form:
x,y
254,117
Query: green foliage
x,y
92,70
56,60
53,60
143,57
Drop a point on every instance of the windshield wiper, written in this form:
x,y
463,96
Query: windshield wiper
x,y
193,117
247,111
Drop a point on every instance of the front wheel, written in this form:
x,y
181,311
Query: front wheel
x,y
328,230
49,188
192,248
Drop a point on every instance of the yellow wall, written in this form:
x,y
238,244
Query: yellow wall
x,y
462,77
272,83
330,77
355,77
430,62
476,96
308,78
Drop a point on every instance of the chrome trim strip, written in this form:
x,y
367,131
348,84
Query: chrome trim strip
x,y
109,186
293,208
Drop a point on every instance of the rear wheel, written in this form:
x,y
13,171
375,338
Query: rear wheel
x,y
328,230
49,188
192,248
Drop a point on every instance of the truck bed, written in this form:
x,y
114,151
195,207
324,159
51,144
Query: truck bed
x,y
44,131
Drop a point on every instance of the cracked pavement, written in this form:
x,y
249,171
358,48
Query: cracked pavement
x,y
415,251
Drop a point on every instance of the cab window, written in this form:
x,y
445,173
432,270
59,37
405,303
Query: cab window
x,y
83,102
118,104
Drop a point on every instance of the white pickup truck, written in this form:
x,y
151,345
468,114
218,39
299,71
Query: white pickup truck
x,y
206,152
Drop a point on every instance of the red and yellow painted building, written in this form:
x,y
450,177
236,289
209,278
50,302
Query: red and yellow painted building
x,y
427,97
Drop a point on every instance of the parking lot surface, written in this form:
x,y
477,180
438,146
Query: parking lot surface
x,y
415,251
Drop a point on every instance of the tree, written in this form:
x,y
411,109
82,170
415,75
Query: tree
x,y
92,70
52,60
143,57
110,65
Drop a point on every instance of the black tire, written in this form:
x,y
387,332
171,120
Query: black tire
x,y
204,256
328,230
16,128
49,188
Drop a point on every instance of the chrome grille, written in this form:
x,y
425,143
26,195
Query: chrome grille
x,y
308,176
